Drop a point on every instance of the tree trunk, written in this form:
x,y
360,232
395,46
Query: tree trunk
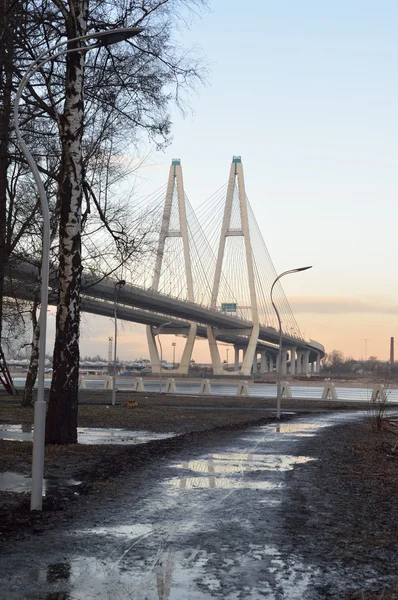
x,y
27,398
61,425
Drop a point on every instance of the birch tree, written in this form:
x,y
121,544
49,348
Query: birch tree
x,y
128,91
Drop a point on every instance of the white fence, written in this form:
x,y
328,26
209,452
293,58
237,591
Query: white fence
x,y
325,391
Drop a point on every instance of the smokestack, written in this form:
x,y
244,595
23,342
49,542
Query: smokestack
x,y
392,351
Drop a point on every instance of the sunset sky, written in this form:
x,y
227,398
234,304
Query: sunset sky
x,y
306,92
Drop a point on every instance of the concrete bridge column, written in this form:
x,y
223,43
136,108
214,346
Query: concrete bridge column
x,y
255,364
318,363
306,356
293,360
284,361
236,365
299,367
271,364
264,363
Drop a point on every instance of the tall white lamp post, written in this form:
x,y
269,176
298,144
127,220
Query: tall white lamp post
x,y
102,38
279,365
118,287
159,329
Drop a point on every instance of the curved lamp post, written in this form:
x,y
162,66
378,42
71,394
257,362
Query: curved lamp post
x,y
279,365
118,287
159,329
102,38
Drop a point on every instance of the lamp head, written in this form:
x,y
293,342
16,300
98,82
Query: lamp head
x,y
107,38
303,268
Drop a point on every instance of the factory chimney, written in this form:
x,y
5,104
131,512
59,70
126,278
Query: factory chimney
x,y
392,352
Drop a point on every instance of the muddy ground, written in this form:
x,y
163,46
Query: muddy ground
x,y
341,511
98,466
343,508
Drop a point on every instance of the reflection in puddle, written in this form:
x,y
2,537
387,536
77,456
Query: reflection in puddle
x,y
288,430
238,463
295,428
120,531
224,483
15,482
90,435
178,575
87,435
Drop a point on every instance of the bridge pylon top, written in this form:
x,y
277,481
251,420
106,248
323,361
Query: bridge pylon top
x,y
175,162
236,159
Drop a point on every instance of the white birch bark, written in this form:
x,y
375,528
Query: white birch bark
x,y
62,411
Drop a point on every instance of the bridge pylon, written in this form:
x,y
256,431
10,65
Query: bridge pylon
x,y
235,223
174,225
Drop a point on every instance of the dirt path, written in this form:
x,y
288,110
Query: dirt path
x,y
285,511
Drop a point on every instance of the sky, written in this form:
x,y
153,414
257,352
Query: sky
x,y
307,93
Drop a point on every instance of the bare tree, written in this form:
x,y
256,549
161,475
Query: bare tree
x,y
128,89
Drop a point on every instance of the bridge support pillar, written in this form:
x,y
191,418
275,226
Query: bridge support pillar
x,y
293,360
299,366
264,363
255,364
271,364
236,364
236,184
306,356
318,364
284,361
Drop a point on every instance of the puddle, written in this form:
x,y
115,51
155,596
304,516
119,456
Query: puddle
x,y
223,483
120,531
15,482
21,433
239,463
90,435
177,575
287,430
87,435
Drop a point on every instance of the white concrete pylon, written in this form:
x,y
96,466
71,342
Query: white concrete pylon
x,y
138,385
235,178
285,390
205,387
329,392
175,183
171,386
243,389
378,393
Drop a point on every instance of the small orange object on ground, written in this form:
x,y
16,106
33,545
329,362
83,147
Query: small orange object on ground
x,y
131,404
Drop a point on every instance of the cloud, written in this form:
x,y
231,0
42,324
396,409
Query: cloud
x,y
341,305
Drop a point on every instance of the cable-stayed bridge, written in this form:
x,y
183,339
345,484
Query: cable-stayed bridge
x,y
208,273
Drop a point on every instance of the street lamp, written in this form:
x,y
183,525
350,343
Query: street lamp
x,y
279,365
102,38
174,354
159,329
118,287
